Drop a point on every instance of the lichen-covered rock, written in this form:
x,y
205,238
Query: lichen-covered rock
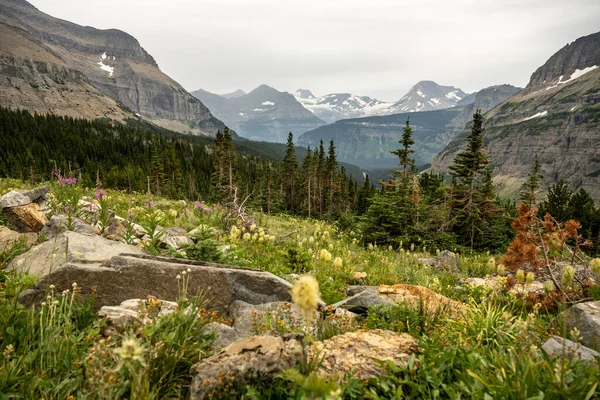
x,y
358,352
253,358
416,295
447,260
557,346
247,316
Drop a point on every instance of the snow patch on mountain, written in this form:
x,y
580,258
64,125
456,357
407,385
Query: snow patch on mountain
x,y
106,67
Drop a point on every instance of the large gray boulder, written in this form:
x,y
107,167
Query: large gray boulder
x,y
246,316
59,223
361,302
90,261
586,318
18,198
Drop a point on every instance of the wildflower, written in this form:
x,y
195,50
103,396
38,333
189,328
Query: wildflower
x,y
325,255
247,236
390,248
305,294
370,246
330,246
412,247
130,350
501,269
568,275
172,213
255,237
234,234
554,242
51,287
491,263
595,266
521,276
325,234
252,227
575,335
99,194
529,278
338,262
311,240
272,238
178,277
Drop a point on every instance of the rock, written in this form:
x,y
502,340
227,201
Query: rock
x,y
126,276
447,260
138,230
118,316
16,198
225,334
586,318
248,359
245,315
175,238
291,277
557,346
137,310
359,275
356,289
534,286
357,352
475,282
27,218
432,262
116,230
8,238
360,303
416,295
58,224
70,248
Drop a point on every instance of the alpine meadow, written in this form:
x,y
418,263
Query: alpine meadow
x,y
204,235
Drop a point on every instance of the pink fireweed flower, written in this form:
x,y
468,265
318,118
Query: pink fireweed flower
x,y
203,208
99,194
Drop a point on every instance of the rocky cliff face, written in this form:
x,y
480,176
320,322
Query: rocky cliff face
x,y
109,62
557,117
263,114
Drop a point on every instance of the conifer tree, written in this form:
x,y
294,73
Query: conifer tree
x,y
404,153
288,173
529,191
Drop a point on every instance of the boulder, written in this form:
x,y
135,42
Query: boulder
x,y
8,237
126,276
26,218
245,316
59,223
356,289
447,260
416,295
360,303
557,346
175,238
224,334
358,352
137,310
116,230
18,198
70,248
257,358
586,318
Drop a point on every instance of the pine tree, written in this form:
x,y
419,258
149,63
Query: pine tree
x,y
529,191
288,173
404,153
467,168
557,203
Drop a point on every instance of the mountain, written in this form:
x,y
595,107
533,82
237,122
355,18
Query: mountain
x,y
367,141
424,96
556,116
263,114
51,65
233,95
333,107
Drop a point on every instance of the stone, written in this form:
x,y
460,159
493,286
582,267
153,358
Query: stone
x,y
116,230
70,248
224,334
358,352
245,315
8,237
249,359
356,289
586,318
360,303
416,295
556,346
16,198
475,282
118,316
135,275
432,262
58,224
137,310
27,218
175,238
447,260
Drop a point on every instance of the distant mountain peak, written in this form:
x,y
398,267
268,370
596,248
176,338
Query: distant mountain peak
x,y
427,96
233,95
304,94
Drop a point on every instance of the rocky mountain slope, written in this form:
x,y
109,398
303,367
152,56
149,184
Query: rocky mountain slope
x,y
367,141
557,117
51,65
263,114
424,96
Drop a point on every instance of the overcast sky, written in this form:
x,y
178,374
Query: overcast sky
x,y
378,48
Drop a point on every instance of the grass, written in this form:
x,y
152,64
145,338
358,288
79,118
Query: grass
x,y
491,350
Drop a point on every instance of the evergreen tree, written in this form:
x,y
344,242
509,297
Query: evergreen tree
x,y
557,203
529,191
288,173
404,153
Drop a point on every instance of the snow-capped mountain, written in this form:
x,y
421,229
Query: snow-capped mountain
x,y
424,96
336,106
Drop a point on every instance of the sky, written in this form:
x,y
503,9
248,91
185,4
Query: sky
x,y
377,48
